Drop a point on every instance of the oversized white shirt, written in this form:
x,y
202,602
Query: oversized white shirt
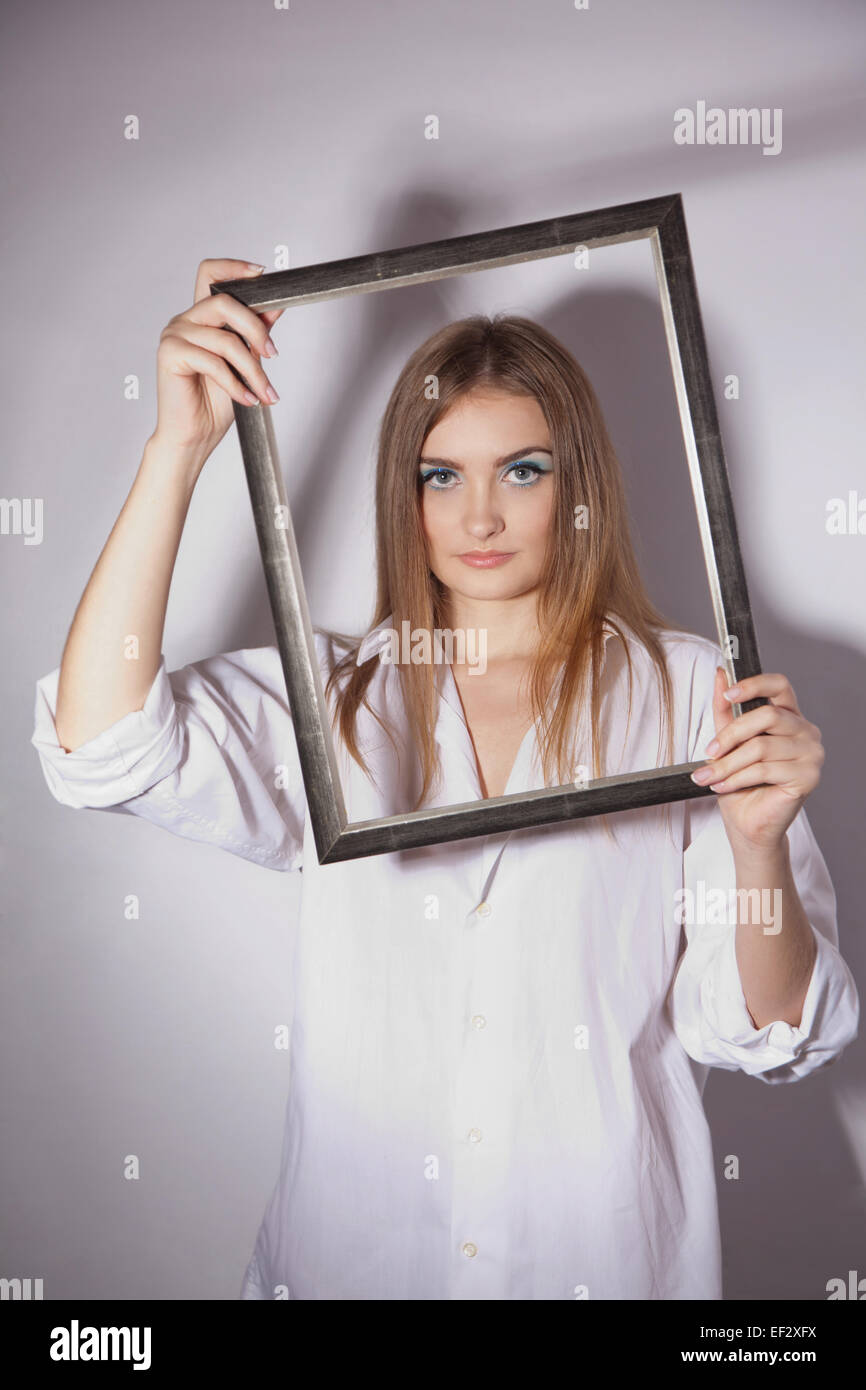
x,y
499,1045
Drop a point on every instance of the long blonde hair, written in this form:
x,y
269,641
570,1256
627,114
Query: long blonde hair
x,y
588,575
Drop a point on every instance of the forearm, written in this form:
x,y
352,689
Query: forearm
x,y
775,965
113,648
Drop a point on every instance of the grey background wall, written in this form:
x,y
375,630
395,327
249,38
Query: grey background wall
x,y
305,128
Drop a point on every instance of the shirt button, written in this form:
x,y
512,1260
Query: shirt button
x,y
479,1021
484,909
469,1249
475,1136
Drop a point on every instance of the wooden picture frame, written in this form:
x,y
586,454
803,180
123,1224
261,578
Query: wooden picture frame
x,y
662,221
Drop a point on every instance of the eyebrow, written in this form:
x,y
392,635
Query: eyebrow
x,y
507,458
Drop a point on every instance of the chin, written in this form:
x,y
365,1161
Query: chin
x,y
489,583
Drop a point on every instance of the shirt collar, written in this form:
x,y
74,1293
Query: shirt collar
x,y
452,732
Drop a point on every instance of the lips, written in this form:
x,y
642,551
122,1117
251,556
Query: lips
x,y
485,559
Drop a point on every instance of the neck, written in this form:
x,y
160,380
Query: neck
x,y
511,624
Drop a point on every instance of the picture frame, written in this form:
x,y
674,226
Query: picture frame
x,y
662,221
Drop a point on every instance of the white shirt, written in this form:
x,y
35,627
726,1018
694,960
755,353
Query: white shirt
x,y
499,1045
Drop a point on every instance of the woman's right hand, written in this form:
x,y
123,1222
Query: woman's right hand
x,y
195,385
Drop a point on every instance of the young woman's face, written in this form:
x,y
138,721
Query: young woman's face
x,y
488,488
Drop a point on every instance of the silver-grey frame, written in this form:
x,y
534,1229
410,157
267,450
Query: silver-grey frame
x,y
660,219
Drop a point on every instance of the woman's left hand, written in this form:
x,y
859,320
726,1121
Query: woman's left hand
x,y
764,764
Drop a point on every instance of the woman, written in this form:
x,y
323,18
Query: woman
x,y
499,1045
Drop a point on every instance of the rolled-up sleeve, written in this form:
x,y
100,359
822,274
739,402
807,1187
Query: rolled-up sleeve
x,y
210,756
706,1001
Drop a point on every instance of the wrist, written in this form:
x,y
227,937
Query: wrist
x,y
178,462
752,857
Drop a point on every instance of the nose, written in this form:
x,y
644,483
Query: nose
x,y
482,517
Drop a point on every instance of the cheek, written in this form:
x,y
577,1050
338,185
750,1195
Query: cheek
x,y
535,517
431,524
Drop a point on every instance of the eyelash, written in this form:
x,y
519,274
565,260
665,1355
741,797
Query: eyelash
x,y
533,467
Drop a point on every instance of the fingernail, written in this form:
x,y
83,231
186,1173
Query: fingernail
x,y
272,395
732,692
713,748
253,400
702,775
270,348
251,265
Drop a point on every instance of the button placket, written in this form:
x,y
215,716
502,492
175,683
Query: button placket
x,y
483,1096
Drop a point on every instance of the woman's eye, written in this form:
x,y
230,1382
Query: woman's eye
x,y
533,469
436,473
